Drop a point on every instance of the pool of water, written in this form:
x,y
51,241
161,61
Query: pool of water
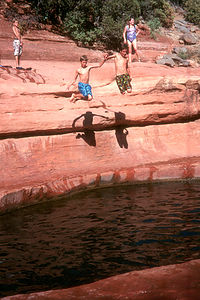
x,y
98,234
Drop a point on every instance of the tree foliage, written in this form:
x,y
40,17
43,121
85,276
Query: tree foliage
x,y
159,9
103,21
115,15
193,11
82,23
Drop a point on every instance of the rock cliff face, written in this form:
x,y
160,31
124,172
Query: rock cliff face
x,y
49,146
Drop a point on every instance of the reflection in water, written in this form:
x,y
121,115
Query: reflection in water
x,y
98,234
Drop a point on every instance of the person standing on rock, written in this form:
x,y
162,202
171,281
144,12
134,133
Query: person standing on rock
x,y
84,74
122,69
17,43
130,33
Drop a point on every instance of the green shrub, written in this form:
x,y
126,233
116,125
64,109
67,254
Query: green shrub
x,y
101,21
154,24
183,54
82,23
115,15
193,54
160,9
192,8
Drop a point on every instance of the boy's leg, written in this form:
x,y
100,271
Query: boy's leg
x,y
127,81
85,93
90,97
120,83
17,51
88,90
17,60
75,97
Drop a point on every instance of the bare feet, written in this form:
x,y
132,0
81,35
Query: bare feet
x,y
72,98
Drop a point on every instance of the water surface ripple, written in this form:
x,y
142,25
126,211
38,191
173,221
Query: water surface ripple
x,y
98,234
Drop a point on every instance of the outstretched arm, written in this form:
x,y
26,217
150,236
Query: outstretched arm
x,y
74,122
111,56
101,63
73,82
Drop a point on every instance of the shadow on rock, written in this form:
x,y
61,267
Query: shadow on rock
x,y
120,131
88,134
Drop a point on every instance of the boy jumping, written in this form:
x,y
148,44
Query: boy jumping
x,y
83,86
122,69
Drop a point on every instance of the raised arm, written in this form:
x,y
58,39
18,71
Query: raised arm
x,y
111,56
101,63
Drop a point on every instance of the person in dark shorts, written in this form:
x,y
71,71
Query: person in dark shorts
x,y
124,83
123,78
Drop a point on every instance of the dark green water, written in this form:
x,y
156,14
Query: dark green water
x,y
98,234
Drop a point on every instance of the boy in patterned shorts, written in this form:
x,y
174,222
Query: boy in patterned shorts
x,y
122,78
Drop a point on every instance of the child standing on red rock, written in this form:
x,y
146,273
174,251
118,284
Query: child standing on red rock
x,y
17,43
130,33
83,86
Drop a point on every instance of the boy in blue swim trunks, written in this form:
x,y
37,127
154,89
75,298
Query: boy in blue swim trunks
x,y
83,86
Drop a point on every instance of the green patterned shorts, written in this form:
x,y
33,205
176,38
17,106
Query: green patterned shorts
x,y
123,82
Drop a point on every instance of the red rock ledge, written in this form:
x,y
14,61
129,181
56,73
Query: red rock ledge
x,y
173,282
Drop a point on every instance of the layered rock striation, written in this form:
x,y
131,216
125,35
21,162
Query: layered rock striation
x,y
50,146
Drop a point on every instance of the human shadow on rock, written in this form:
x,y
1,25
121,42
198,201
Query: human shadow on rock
x,y
88,134
120,131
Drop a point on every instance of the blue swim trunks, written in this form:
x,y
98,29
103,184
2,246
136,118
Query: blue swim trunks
x,y
85,89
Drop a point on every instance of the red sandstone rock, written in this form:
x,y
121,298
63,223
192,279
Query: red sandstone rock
x,y
45,149
162,108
